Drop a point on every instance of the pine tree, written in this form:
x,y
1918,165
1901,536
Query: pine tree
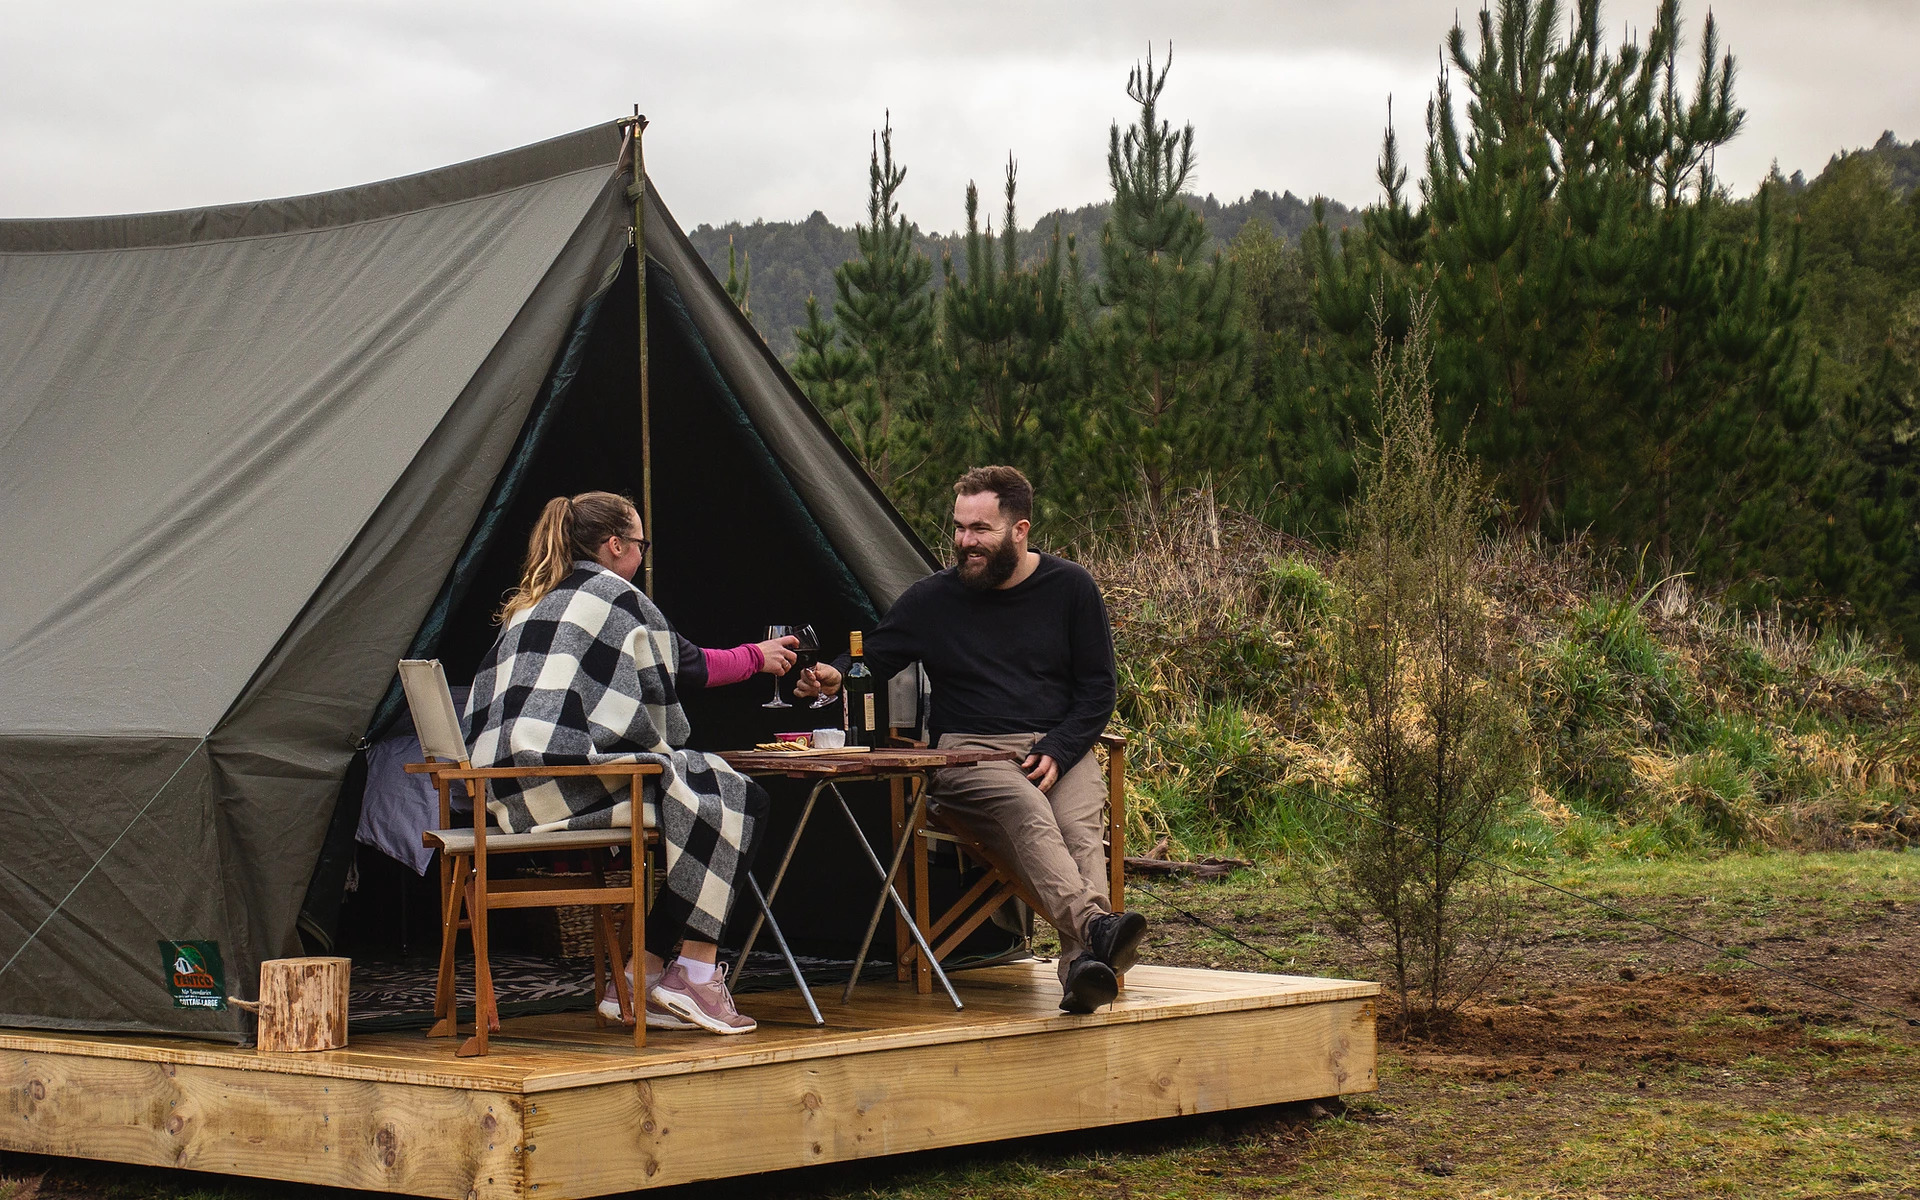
x,y
1168,357
1003,368
885,316
739,282
1321,410
1870,551
1617,363
1853,543
824,367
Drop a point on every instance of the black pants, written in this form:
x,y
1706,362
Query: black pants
x,y
667,919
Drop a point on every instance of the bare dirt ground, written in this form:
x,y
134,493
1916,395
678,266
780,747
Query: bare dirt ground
x,y
1612,1059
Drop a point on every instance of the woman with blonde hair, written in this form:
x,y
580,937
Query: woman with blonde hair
x,y
587,670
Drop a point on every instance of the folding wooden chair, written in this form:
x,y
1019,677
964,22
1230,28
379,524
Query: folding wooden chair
x,y
467,890
997,884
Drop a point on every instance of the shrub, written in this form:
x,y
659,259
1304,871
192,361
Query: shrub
x,y
1434,742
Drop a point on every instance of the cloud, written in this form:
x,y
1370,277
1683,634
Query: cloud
x,y
762,109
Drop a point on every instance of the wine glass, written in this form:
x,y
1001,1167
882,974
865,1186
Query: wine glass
x,y
806,654
779,631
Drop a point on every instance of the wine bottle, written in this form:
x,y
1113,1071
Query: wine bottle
x,y
863,717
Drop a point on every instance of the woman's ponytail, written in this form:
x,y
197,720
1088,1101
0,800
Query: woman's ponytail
x,y
569,528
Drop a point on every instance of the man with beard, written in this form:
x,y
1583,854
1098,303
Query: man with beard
x,y
1020,655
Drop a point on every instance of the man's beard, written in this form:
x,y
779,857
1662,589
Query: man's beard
x,y
990,571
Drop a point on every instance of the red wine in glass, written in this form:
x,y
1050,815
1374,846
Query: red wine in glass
x,y
807,654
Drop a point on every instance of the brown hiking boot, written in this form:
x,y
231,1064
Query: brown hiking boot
x,y
1090,985
708,1005
1114,939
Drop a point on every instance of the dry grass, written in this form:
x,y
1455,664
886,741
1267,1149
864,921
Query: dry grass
x,y
21,1187
1662,719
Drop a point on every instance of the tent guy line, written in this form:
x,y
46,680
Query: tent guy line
x,y
95,865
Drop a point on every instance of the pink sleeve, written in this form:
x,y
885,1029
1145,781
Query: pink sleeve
x,y
731,666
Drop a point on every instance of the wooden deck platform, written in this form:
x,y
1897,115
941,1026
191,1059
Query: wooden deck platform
x,y
562,1109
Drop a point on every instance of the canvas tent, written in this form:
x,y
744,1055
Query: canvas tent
x,y
250,456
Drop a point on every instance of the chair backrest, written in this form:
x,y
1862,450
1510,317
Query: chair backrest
x,y
434,717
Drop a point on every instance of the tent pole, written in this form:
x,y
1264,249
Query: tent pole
x,y
637,191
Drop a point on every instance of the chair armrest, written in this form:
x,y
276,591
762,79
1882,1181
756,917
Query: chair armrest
x,y
499,841
904,743
1116,820
618,770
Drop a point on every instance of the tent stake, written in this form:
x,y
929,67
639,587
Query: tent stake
x,y
637,191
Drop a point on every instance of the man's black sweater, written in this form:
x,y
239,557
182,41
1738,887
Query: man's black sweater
x,y
1033,658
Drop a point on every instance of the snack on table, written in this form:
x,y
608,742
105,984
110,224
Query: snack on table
x,y
787,747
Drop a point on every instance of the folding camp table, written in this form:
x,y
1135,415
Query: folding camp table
x,y
911,767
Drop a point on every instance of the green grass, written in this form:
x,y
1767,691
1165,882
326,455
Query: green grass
x,y
1759,878
1835,653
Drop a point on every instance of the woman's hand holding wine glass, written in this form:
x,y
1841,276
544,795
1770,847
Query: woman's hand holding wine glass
x,y
778,654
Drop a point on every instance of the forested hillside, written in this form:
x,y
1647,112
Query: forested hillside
x,y
1901,160
791,260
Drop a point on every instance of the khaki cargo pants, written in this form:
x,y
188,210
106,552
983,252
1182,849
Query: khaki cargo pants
x,y
1051,840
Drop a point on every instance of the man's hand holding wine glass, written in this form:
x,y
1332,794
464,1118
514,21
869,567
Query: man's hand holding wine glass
x,y
818,680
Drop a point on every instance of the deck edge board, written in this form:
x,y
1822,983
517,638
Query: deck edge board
x,y
532,1065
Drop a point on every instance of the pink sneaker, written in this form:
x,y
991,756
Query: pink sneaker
x,y
707,1005
660,1018
657,1017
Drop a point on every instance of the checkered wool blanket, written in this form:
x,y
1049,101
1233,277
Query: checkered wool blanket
x,y
589,675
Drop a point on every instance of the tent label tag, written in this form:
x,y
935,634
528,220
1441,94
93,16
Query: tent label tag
x,y
194,974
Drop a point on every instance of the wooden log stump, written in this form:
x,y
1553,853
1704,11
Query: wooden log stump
x,y
302,1005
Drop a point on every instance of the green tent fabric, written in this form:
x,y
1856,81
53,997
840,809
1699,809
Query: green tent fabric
x,y
240,451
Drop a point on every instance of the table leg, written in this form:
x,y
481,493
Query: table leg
x,y
766,907
887,891
779,939
922,898
897,810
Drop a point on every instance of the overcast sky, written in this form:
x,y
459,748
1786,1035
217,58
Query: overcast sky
x,y
757,111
